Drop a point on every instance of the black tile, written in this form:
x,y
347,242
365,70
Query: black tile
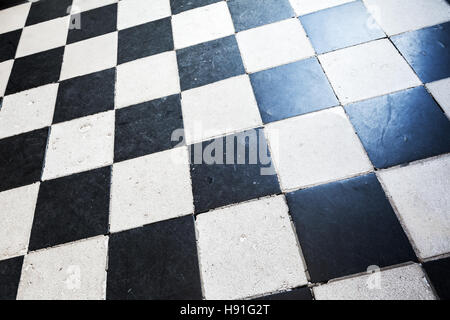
x,y
147,127
438,272
346,226
291,90
44,10
8,44
157,261
35,70
10,271
209,62
400,127
85,95
145,40
21,158
93,23
230,175
4,4
427,51
183,5
249,14
296,294
341,26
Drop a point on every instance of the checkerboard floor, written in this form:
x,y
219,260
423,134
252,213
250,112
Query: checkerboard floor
x,y
109,107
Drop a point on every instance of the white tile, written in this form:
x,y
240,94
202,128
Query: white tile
x,y
5,71
150,189
397,16
302,7
80,145
28,110
201,25
403,283
14,18
273,45
367,70
133,12
75,271
216,109
89,56
147,79
16,217
85,5
248,249
43,36
421,195
316,148
441,92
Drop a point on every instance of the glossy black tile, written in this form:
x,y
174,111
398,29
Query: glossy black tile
x,y
71,208
249,14
155,262
341,26
179,6
10,271
8,44
21,159
438,272
85,95
44,10
209,62
4,4
35,70
427,51
147,127
93,23
291,90
296,294
145,40
231,169
400,127
346,226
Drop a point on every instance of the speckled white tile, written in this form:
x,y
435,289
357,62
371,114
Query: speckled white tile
x,y
27,110
14,18
367,70
248,249
85,5
441,92
274,45
80,145
5,71
316,148
216,109
421,194
302,7
134,12
75,271
402,283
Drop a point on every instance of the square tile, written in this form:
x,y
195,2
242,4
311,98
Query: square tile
x,y
150,189
14,18
296,294
222,107
209,62
403,283
420,194
347,226
293,89
8,44
400,127
27,110
155,262
202,24
302,7
438,273
16,218
248,249
145,40
427,51
85,5
35,70
184,5
249,14
80,145
71,208
76,271
147,79
9,277
5,71
327,31
232,169
273,45
441,92
147,128
94,23
45,10
397,16
316,148
134,12
90,55
21,159
85,95
10,3
367,70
